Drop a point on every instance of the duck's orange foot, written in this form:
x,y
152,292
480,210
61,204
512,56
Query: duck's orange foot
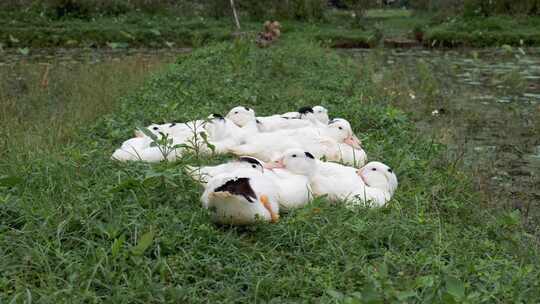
x,y
274,217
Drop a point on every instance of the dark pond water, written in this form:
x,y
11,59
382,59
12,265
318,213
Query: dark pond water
x,y
490,117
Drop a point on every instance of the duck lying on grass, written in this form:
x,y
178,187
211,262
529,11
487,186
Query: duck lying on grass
x,y
241,197
373,183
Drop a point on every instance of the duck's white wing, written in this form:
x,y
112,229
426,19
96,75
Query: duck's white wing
x,y
346,154
277,122
265,146
294,190
155,154
337,181
291,115
137,143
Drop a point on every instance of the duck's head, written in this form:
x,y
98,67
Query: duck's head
x,y
249,162
380,176
306,112
216,126
241,116
321,114
154,128
296,161
340,130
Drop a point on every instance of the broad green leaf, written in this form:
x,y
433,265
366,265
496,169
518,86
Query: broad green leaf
x,y
403,295
455,288
148,133
334,294
117,246
425,281
145,241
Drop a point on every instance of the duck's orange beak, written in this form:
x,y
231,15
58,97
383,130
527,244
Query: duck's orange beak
x,y
353,141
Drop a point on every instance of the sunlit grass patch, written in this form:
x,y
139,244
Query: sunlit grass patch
x,y
43,106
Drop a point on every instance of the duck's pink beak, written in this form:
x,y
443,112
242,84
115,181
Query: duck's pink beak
x,y
275,164
361,175
353,141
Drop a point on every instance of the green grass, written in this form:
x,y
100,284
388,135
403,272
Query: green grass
x,y
76,225
130,30
483,32
38,119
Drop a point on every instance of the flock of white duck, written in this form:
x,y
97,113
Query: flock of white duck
x,y
284,161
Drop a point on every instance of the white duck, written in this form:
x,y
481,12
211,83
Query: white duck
x,y
204,174
374,182
318,113
293,182
380,184
305,117
336,181
315,114
132,148
320,142
241,115
241,197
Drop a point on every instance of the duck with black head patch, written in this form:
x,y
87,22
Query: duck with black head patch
x,y
242,197
205,173
305,117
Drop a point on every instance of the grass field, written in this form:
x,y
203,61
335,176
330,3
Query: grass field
x,y
78,227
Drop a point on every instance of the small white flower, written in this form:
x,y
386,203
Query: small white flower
x,y
435,113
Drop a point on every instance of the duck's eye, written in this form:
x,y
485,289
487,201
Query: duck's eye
x,y
247,109
374,169
253,166
389,170
294,155
236,112
155,128
341,128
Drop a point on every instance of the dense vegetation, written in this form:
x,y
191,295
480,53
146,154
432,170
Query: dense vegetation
x,y
486,31
77,225
166,23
